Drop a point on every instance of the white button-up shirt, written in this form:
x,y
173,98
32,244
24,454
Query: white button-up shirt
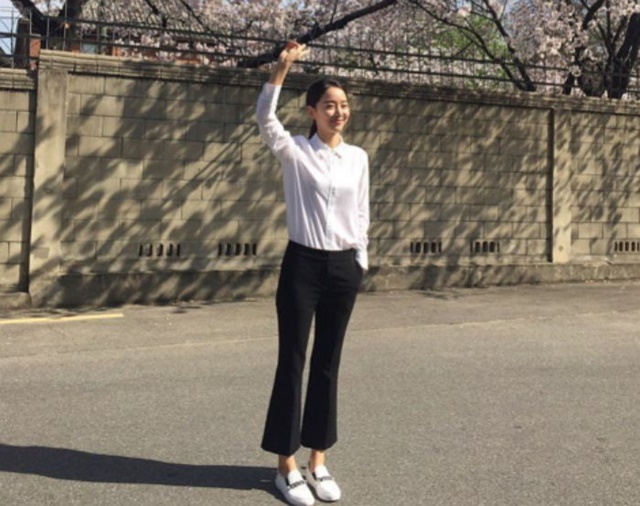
x,y
326,190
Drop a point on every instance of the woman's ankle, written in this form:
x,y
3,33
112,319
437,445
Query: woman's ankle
x,y
317,458
286,465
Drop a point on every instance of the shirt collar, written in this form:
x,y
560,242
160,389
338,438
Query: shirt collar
x,y
319,145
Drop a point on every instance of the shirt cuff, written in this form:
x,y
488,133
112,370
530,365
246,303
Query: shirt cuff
x,y
362,257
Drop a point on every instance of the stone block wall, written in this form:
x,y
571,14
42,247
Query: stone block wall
x,y
151,183
458,182
606,186
17,109
162,176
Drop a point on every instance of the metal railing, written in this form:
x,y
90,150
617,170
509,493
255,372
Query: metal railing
x,y
342,53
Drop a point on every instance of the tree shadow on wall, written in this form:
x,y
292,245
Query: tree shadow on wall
x,y
604,204
169,192
461,188
16,176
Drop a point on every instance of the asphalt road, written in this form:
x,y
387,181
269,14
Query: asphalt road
x,y
517,396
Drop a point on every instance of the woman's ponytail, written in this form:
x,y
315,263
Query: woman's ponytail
x,y
313,129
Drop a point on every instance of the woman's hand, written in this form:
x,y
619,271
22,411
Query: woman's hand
x,y
289,55
292,53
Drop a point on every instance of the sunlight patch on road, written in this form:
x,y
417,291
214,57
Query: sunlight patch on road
x,y
60,319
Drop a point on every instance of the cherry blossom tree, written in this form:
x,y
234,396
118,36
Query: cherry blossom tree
x,y
574,46
255,29
589,45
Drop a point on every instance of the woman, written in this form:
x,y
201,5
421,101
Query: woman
x,y
326,184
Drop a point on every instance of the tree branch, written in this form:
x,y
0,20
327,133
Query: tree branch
x,y
579,51
316,32
335,9
527,83
523,83
625,59
72,8
28,9
195,15
157,12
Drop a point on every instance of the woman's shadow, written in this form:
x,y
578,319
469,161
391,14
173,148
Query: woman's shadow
x,y
65,464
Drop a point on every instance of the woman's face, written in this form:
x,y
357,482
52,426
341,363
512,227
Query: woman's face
x,y
331,113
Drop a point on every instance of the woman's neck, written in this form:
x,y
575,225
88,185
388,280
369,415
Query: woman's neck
x,y
331,140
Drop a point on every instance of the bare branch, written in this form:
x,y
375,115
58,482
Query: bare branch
x,y
523,82
519,64
335,10
28,9
72,8
625,59
157,12
316,32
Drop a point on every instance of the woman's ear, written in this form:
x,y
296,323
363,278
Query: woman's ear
x,y
311,112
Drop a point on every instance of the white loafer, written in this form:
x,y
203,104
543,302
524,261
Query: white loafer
x,y
294,489
323,483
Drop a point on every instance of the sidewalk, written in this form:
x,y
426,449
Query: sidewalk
x,y
516,396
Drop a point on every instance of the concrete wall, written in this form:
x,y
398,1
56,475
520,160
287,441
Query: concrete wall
x,y
605,186
151,183
17,109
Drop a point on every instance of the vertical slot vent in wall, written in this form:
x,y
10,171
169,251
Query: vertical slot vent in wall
x,y
236,249
159,250
485,247
426,247
626,247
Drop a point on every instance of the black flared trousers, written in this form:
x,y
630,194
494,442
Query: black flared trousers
x,y
312,283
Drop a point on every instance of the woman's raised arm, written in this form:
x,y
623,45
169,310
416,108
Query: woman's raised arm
x,y
289,55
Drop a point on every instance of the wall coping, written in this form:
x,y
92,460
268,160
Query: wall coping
x,y
14,79
137,68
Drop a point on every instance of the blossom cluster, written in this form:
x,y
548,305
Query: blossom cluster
x,y
532,41
572,39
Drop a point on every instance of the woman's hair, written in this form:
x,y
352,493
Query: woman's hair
x,y
315,92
